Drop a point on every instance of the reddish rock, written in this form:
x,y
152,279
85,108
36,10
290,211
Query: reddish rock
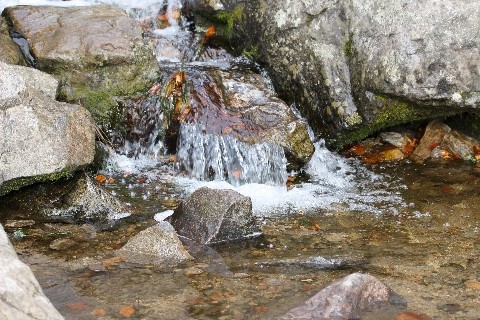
x,y
434,134
346,299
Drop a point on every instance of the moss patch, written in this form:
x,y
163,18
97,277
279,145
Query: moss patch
x,y
392,112
16,184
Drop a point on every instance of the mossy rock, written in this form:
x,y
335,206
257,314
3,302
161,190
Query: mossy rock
x,y
392,112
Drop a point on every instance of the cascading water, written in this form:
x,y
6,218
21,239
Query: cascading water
x,y
222,157
221,160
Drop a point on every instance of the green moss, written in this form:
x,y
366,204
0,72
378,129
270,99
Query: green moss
x,y
252,53
228,18
392,112
349,48
16,184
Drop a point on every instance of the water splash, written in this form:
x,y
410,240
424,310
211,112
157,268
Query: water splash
x,y
223,157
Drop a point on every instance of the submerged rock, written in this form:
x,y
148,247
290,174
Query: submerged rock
x,y
346,299
210,216
75,200
21,297
9,50
364,65
157,245
41,139
86,200
97,52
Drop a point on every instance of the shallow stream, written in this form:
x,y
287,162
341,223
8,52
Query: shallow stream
x,y
414,227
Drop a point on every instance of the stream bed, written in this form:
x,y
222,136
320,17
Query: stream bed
x,y
426,250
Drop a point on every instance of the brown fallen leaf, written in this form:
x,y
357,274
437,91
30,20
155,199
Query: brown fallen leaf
x,y
77,306
99,312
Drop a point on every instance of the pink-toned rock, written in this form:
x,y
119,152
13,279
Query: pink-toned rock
x,y
346,299
433,136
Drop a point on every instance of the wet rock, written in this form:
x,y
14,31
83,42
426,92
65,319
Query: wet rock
x,y
9,51
397,139
321,54
157,245
21,297
193,271
62,244
15,224
209,216
74,200
240,103
86,200
346,299
433,136
77,233
460,145
97,52
41,139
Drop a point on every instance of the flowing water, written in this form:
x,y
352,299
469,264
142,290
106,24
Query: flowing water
x,y
414,227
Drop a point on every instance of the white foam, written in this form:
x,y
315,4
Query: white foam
x,y
336,184
163,215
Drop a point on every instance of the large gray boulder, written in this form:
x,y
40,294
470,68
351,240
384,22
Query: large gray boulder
x,y
346,298
9,50
97,52
210,216
21,297
355,67
40,139
158,245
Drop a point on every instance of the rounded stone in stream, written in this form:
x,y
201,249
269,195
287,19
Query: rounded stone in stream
x,y
157,245
211,216
346,299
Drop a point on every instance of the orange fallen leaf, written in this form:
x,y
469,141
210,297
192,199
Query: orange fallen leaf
x,y
210,33
79,305
100,178
162,17
371,160
176,14
315,225
476,149
408,149
99,312
127,311
112,261
410,315
111,180
358,150
433,146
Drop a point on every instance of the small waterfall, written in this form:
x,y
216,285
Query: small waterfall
x,y
223,157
